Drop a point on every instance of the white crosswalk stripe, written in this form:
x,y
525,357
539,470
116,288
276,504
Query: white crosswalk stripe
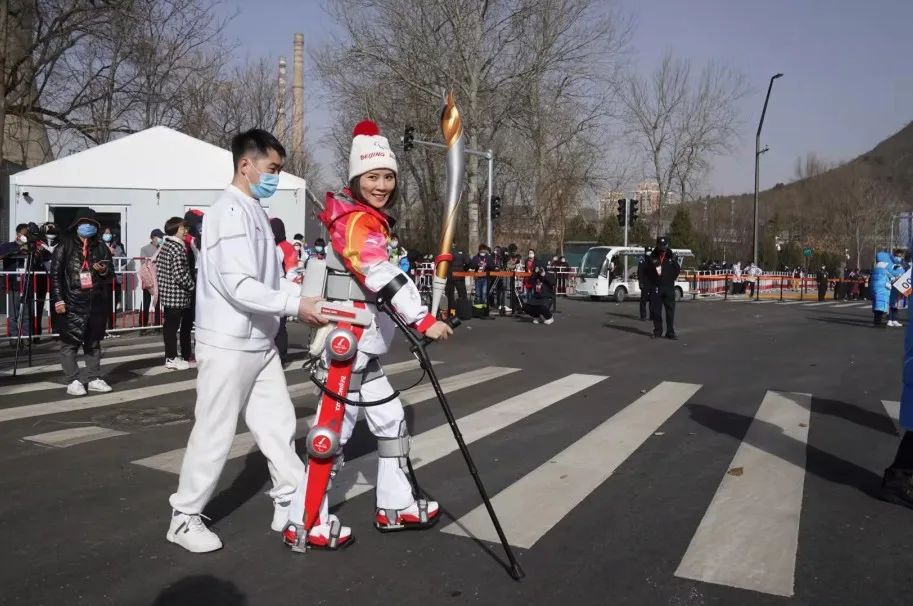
x,y
74,435
244,443
34,370
892,407
749,535
71,404
358,476
533,505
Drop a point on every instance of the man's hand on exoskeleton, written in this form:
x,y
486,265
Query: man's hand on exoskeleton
x,y
308,311
439,331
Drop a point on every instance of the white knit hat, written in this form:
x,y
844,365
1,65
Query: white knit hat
x,y
370,150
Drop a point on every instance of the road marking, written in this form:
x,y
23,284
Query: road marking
x,y
34,370
118,397
765,301
160,369
864,305
842,305
245,444
892,407
749,535
9,390
74,435
789,302
360,475
534,504
818,303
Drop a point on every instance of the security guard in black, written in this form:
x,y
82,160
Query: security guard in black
x,y
661,273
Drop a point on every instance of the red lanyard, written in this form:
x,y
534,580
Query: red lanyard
x,y
85,255
662,257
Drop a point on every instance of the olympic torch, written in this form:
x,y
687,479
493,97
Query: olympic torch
x,y
452,129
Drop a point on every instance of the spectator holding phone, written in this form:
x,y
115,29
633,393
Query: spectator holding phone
x,y
81,275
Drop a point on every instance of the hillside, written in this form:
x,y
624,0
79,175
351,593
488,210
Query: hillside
x,y
847,207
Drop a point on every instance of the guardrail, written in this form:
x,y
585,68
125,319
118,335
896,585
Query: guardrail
x,y
126,302
777,286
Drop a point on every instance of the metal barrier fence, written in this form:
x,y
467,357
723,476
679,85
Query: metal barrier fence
x,y
565,278
774,286
127,302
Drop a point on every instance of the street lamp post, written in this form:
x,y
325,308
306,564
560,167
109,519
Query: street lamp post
x,y
757,164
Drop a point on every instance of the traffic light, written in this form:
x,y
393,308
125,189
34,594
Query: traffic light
x,y
634,204
408,138
495,207
622,210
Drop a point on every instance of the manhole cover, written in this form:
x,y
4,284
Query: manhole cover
x,y
147,417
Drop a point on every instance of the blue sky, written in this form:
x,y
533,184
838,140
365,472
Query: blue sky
x,y
848,68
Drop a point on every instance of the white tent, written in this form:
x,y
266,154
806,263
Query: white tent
x,y
139,181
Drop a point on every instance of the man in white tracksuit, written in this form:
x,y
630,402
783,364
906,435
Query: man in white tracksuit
x,y
241,294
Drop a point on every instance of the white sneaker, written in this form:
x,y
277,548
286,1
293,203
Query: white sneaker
x,y
507,309
549,321
537,321
76,389
178,363
99,385
280,515
191,533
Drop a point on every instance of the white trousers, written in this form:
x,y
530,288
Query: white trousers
x,y
230,382
394,491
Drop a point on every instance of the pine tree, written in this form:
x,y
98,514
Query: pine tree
x,y
680,231
610,234
639,234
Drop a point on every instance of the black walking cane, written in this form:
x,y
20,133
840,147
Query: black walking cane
x,y
418,349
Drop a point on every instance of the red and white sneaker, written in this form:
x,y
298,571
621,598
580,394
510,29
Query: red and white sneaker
x,y
420,515
329,536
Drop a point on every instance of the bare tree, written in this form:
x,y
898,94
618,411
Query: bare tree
x,y
398,55
679,120
34,37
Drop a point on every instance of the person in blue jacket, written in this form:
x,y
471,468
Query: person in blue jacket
x,y
894,301
897,484
883,275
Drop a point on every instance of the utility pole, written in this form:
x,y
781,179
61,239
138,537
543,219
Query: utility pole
x,y
757,166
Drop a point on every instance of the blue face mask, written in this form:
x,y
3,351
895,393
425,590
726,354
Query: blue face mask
x,y
107,237
265,187
86,230
318,249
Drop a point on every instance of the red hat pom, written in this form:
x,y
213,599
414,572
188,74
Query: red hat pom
x,y
366,127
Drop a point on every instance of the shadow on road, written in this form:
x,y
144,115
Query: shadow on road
x,y
629,329
201,589
771,440
863,323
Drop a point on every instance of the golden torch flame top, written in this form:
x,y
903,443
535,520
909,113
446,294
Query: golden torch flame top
x,y
451,124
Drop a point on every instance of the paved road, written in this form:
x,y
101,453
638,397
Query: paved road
x,y
739,465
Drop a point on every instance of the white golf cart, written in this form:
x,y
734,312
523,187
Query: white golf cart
x,y
611,271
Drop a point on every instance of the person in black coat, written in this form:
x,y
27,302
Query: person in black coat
x,y
822,278
81,276
460,263
661,273
541,296
645,304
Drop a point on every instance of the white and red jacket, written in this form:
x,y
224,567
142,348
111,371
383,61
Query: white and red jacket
x,y
359,235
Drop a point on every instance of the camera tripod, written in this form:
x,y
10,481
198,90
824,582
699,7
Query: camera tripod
x,y
26,298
